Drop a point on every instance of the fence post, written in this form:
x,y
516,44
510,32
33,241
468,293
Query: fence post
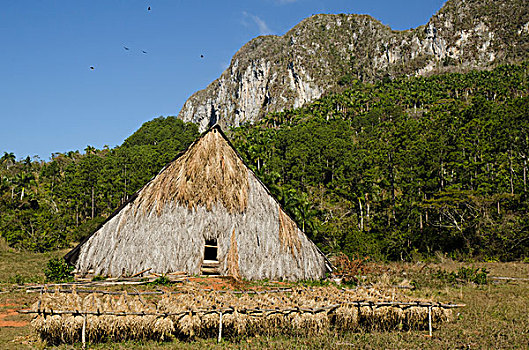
x,y
220,328
430,320
83,334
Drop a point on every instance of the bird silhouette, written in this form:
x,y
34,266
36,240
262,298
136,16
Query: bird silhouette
x,y
201,56
92,67
143,51
126,48
148,8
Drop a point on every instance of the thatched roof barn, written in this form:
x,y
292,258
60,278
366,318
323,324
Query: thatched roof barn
x,y
204,210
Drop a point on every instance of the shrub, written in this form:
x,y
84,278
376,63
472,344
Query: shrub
x,y
445,276
57,270
475,275
162,280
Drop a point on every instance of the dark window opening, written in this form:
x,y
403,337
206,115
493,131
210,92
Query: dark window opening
x,y
210,250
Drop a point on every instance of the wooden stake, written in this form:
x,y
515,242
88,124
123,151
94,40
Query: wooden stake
x,y
83,334
139,273
430,320
220,328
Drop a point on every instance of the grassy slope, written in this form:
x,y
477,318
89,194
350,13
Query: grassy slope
x,y
495,315
24,266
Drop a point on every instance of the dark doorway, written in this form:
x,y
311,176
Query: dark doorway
x,y
210,250
210,265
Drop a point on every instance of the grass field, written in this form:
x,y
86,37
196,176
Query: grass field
x,y
496,314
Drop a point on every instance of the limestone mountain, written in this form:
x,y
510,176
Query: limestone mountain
x,y
324,52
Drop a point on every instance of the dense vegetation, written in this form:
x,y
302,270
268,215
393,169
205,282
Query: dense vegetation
x,y
405,167
394,170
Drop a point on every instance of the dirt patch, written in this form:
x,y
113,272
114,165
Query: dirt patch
x,y
8,304
10,313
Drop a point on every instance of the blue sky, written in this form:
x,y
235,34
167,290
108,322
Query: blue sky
x,y
51,101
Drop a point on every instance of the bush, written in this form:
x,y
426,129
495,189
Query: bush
x,y
57,270
445,276
440,277
162,280
475,275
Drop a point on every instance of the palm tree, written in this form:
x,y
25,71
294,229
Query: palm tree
x,y
24,182
8,159
27,162
73,155
90,149
304,211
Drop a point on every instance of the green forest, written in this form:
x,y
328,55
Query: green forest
x,y
400,169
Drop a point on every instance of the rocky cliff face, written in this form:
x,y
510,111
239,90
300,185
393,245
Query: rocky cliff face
x,y
323,52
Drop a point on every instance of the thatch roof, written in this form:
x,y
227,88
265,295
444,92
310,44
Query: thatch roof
x,y
207,193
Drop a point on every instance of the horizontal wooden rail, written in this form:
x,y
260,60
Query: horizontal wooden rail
x,y
227,310
159,292
500,278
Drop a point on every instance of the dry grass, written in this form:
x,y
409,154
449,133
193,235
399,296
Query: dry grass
x,y
288,233
233,258
196,313
209,174
495,317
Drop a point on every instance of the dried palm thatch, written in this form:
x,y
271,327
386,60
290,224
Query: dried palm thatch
x,y
440,315
209,174
311,323
205,194
347,317
196,313
233,258
288,233
387,317
189,324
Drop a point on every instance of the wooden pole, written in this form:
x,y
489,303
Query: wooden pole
x,y
83,335
231,309
508,278
139,273
220,328
430,320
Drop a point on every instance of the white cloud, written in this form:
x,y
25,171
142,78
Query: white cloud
x,y
261,24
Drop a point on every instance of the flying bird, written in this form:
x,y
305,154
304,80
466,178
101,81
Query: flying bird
x,y
92,67
126,48
148,8
143,51
201,56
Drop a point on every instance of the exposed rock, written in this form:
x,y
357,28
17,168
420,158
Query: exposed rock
x,y
273,73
